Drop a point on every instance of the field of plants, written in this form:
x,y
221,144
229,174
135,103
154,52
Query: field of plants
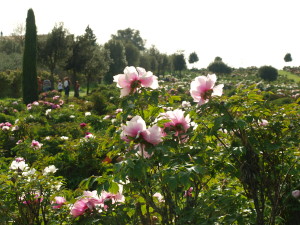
x,y
202,149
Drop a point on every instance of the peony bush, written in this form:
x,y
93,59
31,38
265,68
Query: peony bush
x,y
193,155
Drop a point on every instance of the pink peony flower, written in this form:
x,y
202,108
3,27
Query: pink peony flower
x,y
202,88
178,122
153,135
36,145
188,192
135,78
89,201
8,124
19,159
136,129
37,199
82,125
79,208
89,136
59,201
56,97
133,128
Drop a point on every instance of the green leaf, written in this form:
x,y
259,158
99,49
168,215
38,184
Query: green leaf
x,y
114,187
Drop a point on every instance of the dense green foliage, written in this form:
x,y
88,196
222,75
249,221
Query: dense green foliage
x,y
236,164
193,57
130,36
179,62
288,57
118,59
219,67
268,73
54,49
29,78
10,84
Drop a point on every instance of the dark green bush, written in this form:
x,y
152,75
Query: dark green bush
x,y
219,67
268,73
10,84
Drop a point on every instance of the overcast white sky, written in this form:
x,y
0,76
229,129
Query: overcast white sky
x,y
242,32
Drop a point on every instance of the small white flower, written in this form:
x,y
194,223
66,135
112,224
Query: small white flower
x,y
16,121
87,113
5,128
29,172
15,128
47,112
47,138
71,106
106,117
64,138
194,125
18,165
35,103
159,197
119,110
72,116
185,104
57,186
50,169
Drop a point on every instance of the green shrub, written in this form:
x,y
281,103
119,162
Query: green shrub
x,y
268,73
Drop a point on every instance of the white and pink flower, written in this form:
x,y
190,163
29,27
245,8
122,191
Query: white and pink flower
x,y
202,88
263,122
91,201
135,78
135,129
296,194
36,145
18,165
178,123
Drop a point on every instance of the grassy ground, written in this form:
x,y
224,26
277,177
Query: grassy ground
x,y
290,75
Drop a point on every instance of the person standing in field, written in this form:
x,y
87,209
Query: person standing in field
x,y
46,85
60,86
67,84
77,88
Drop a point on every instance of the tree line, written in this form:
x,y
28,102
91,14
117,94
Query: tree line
x,y
82,58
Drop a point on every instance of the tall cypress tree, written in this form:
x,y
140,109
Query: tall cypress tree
x,y
29,78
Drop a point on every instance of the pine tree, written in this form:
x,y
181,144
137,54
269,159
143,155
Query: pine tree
x,y
29,78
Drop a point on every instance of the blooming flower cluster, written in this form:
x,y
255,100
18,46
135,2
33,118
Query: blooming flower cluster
x,y
5,126
202,88
92,201
135,78
18,164
53,105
